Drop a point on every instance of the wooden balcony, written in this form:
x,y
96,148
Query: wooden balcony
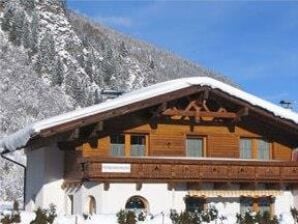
x,y
170,169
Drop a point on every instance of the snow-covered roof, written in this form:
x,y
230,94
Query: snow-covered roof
x,y
21,138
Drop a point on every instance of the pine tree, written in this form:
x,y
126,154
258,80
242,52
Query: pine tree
x,y
47,53
57,77
89,68
123,50
16,32
109,54
26,34
29,5
97,98
34,34
90,99
151,64
6,21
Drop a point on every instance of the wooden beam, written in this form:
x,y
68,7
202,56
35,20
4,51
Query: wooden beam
x,y
241,113
139,186
175,112
206,94
66,126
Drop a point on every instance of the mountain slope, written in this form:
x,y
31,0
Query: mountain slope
x,y
53,61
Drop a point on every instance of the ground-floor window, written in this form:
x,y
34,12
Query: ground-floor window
x,y
195,204
70,205
246,205
137,204
91,205
259,204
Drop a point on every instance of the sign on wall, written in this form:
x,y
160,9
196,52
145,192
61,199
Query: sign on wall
x,y
115,168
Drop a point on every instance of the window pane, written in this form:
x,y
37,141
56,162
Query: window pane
x,y
245,205
245,148
264,205
194,204
137,145
194,147
117,145
263,150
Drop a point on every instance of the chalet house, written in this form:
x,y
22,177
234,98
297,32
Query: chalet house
x,y
183,144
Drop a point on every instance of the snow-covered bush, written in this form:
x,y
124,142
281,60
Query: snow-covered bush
x,y
44,216
196,217
13,216
257,218
126,217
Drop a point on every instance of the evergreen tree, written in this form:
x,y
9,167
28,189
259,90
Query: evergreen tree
x,y
90,98
29,5
16,32
97,98
89,68
109,54
122,49
34,34
6,20
26,34
151,64
57,77
47,53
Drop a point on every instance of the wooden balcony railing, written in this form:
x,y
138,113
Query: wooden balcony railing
x,y
181,170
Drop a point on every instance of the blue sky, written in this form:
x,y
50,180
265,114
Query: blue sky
x,y
254,43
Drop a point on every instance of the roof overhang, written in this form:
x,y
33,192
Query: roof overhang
x,y
144,98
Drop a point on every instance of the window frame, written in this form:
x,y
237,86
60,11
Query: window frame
x,y
189,208
255,147
255,205
144,145
204,144
111,145
127,143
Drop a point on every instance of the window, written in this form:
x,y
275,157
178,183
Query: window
x,y
138,143
194,147
90,206
246,205
137,204
194,204
264,205
117,145
263,150
245,148
253,148
69,204
260,204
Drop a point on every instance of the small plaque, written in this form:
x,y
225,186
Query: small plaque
x,y
115,168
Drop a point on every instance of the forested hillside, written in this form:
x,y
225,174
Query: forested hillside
x,y
53,60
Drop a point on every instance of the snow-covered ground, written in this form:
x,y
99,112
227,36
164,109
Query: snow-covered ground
x,y
27,217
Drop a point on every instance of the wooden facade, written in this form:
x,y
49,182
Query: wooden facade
x,y
219,122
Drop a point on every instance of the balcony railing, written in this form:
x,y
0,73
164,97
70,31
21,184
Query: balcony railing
x,y
172,169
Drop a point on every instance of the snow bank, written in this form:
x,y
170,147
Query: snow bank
x,y
27,217
20,138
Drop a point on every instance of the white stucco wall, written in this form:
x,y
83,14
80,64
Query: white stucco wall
x,y
161,199
45,178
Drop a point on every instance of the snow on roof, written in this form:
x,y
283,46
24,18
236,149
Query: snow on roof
x,y
20,138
